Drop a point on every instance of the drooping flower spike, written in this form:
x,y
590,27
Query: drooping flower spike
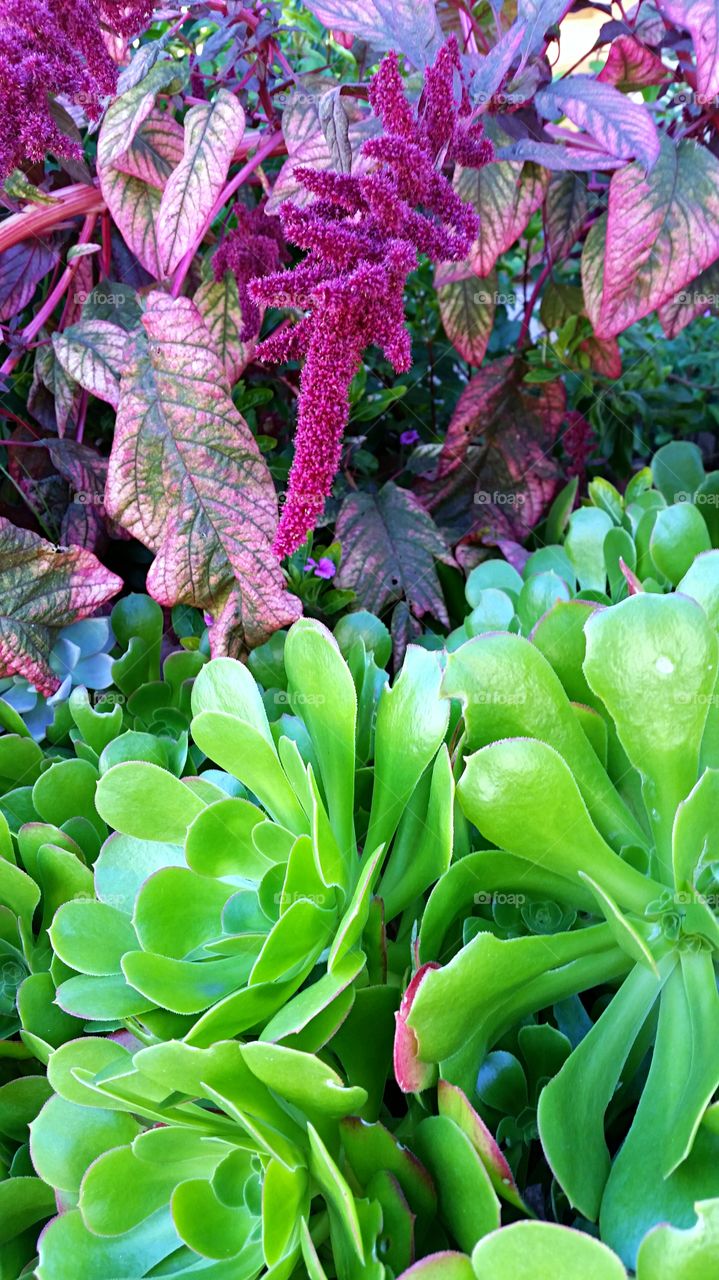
x,y
362,235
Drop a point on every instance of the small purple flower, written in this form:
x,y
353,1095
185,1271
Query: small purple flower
x,y
409,437
323,568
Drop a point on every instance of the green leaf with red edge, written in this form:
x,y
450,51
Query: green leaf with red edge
x,y
496,474
187,479
466,305
390,546
630,65
156,150
701,19
659,233
622,128
93,353
505,194
43,587
219,305
213,131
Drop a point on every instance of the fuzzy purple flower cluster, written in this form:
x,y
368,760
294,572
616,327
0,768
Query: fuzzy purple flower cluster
x,y
363,234
50,48
255,247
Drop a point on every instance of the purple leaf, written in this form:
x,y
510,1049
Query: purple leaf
x,y
538,16
659,233
630,65
219,305
213,132
466,305
187,479
43,587
93,353
409,26
22,266
390,546
701,19
560,158
505,196
156,150
622,128
488,73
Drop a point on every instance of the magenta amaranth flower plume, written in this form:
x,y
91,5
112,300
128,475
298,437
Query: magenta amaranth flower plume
x,y
50,47
363,234
255,247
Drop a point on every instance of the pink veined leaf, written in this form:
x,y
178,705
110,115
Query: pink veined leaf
x,y
134,203
630,65
213,132
699,296
187,479
466,306
43,587
157,149
566,209
622,128
701,19
409,26
505,196
390,549
313,152
93,353
126,115
134,207
49,373
219,305
659,233
22,267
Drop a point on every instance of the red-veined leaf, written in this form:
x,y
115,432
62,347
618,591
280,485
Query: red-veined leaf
x,y
213,131
390,546
93,353
156,150
622,128
187,479
125,116
219,305
660,232
309,149
701,19
505,196
43,587
604,355
630,65
84,523
466,305
410,26
22,266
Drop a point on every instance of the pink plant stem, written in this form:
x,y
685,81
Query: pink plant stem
x,y
68,203
264,149
52,298
529,308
